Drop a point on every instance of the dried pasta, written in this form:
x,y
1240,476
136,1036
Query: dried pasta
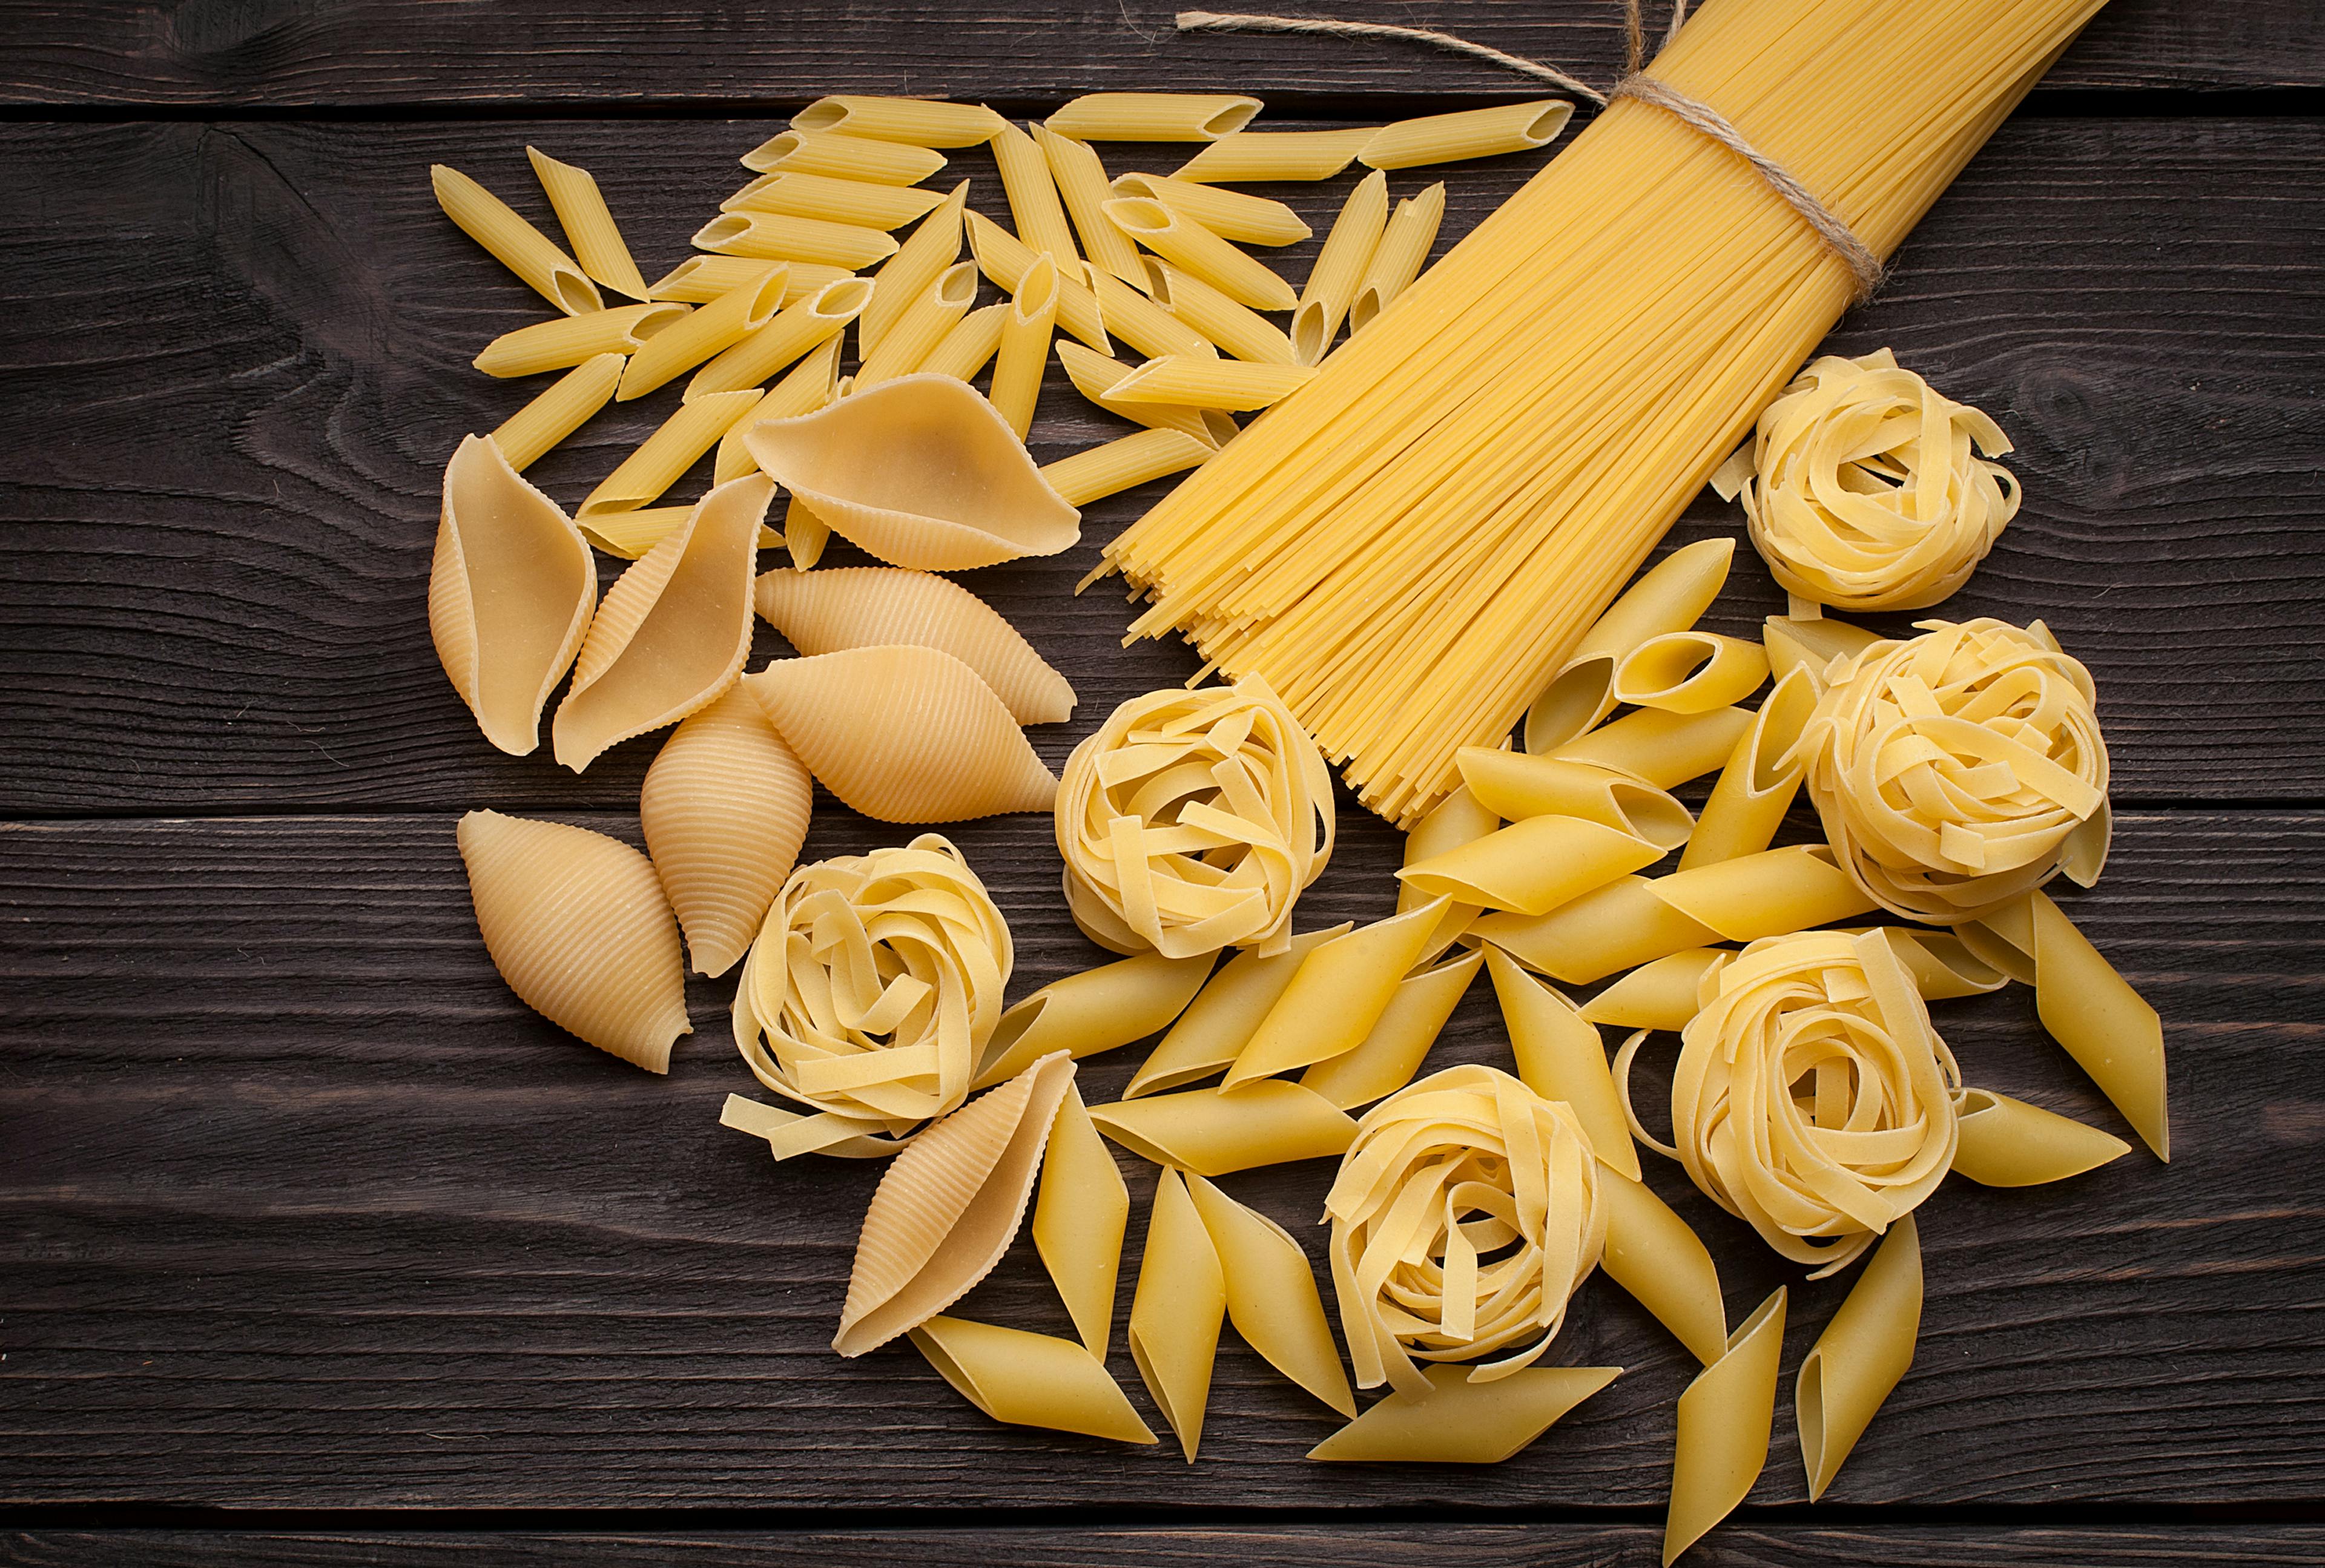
x,y
853,202
1083,183
1024,349
642,476
1811,644
843,157
1667,598
1664,749
1095,1010
2008,1142
1386,1060
1338,994
1862,1355
1534,864
1725,1418
791,333
1762,775
1664,1265
565,407
1661,994
1270,1295
807,386
1078,1220
1032,193
1003,257
1616,927
709,331
1213,1029
1153,116
1458,1422
1029,1379
1561,1057
1691,672
1215,1132
1516,785
1398,259
1249,157
1771,894
564,342
1340,269
969,344
515,244
914,336
700,279
1093,373
1232,214
1192,248
916,122
581,212
1176,1311
1467,133
1208,382
1124,463
1241,332
1456,819
922,258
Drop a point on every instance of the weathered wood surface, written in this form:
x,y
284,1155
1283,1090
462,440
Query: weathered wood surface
x,y
235,356
300,1207
127,53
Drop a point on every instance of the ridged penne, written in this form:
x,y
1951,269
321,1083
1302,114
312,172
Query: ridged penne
x,y
792,332
853,202
576,924
1261,157
1340,269
1762,775
630,534
673,630
1153,116
931,247
1093,1011
1560,1056
968,344
510,593
700,279
1082,182
557,412
589,224
1004,258
1125,463
914,336
1092,372
1398,259
2008,1142
1616,927
515,244
1458,1422
710,331
807,386
1132,315
1724,1417
1176,1311
1388,1059
1270,1295
1516,784
1237,330
1214,1133
781,236
915,122
922,473
904,734
1534,864
1232,214
1029,1379
563,341
1025,348
1032,193
1467,133
1213,1029
1862,1355
1235,385
724,808
691,430
1667,598
1079,1221
1664,1266
1339,992
1192,248
840,157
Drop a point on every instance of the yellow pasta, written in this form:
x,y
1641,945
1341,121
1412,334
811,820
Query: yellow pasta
x,y
791,333
565,407
1691,672
2008,1142
1664,750
1755,789
853,202
1458,1422
1662,994
1338,994
515,244
1214,1028
1861,489
1232,384
920,472
904,734
1467,133
1081,180
1340,269
1079,1221
1386,1059
1617,927
1095,1010
1771,894
630,534
1397,260
840,157
1668,598
968,344
1561,1057
1176,1310
1232,214
510,593
564,342
1033,192
1939,963
1456,819
1092,372
671,633
1534,864
642,476
1214,1132
1251,158
914,336
918,263
1664,1265
576,924
1153,116
1133,316
916,122
1725,1418
724,808
1191,822
700,279
948,1207
780,237
1243,333
874,981
1124,463
1029,1379
1270,1295
1192,248
1003,257
711,330
581,212
1516,785
807,386
1862,1355
1814,644
1025,348
804,532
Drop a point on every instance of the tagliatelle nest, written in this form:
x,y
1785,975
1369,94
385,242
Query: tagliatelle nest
x,y
1956,770
1465,1215
873,982
1191,822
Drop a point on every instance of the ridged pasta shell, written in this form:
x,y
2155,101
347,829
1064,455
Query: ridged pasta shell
x,y
541,584
576,924
674,631
922,472
904,734
869,607
724,808
947,1208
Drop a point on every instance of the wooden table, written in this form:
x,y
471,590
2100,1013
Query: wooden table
x,y
317,1247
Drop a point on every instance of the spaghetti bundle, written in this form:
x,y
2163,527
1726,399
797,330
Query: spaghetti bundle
x,y
1407,547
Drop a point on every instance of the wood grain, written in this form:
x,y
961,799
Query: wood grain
x,y
236,356
301,1208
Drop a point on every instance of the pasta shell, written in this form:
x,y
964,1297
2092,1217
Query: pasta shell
x,y
904,734
674,631
868,607
949,1207
725,808
922,472
506,646
576,924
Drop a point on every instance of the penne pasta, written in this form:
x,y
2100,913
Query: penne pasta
x,y
1033,192
918,263
1214,1028
1253,158
630,534
1725,1419
1862,1354
1241,332
1814,644
1213,1133
1386,1059
780,237
853,202
1690,671
915,334
561,410
1133,316
1231,384
968,345
1940,964
788,335
1095,1010
1456,819
1397,260
1534,864
1024,349
1124,463
1003,257
839,157
1079,1221
1616,927
807,386
1664,1266
562,342
1093,373
1517,785
1270,1295
589,225
804,532
710,331
1667,598
1083,183
1774,893
1192,248
515,244
1756,788
2008,1142
1664,749
1340,269
1461,1422
1176,1310
646,473
1338,994
1232,214
700,279
1560,1056
1663,994
915,122
1153,116
1467,133
1029,1379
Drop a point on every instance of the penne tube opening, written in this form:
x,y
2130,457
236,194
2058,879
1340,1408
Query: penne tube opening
x,y
915,122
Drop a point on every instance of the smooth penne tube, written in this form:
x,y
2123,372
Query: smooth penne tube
x,y
1232,214
1003,257
1254,158
1125,463
581,211
1863,1354
1133,316
630,534
1032,193
1467,133
970,345
1082,185
1214,1028
1560,1056
1339,268
687,434
1397,260
1725,1419
2107,1027
1618,926
709,331
1215,1132
1235,329
1029,1379
1095,1010
1664,1265
1024,349
1456,819
562,342
1461,1422
1665,749
839,157
923,257
564,407
1153,116
792,331
915,122
1270,1295
1661,994
2008,1142
1941,964
1190,247
1516,785
1762,775
806,387
1093,373
1233,385
923,325
1388,1058
1811,643
1078,1220
700,279
780,237
1691,672
1667,598
855,202
515,244
1774,893
1337,995
1176,1311
1534,864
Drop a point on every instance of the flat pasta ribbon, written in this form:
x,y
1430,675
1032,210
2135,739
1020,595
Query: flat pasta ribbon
x,y
1960,769
1465,1215
1191,822
1861,489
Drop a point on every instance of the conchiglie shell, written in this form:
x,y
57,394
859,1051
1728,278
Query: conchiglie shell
x,y
904,734
507,646
725,808
869,607
949,1206
576,924
674,631
922,472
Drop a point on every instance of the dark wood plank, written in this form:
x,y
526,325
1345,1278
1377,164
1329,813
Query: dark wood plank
x,y
302,1210
235,357
127,53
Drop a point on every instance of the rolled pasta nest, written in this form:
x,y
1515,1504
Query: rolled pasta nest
x,y
1813,1100
1862,491
1191,822
1956,770
1465,1215
874,983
